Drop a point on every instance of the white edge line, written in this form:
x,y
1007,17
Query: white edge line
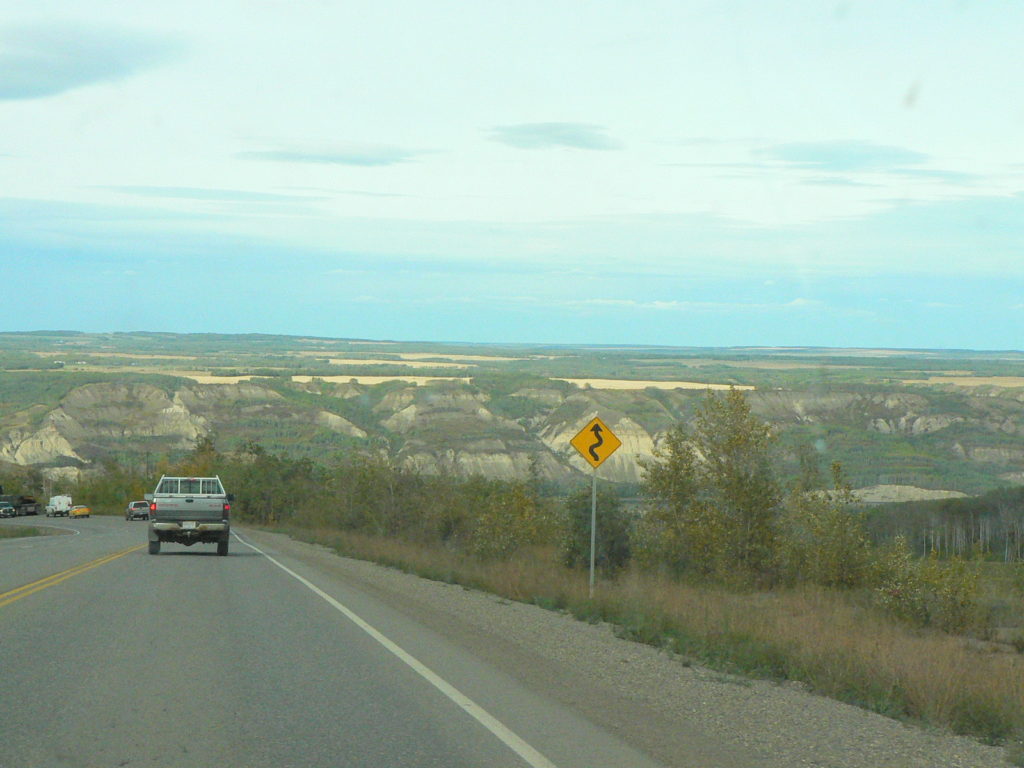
x,y
530,755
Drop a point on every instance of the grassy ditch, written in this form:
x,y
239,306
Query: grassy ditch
x,y
835,642
21,531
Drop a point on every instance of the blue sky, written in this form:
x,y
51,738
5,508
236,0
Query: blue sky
x,y
692,172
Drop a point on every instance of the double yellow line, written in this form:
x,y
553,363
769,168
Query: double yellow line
x,y
6,598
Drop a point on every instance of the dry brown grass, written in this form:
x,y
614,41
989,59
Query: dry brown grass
x,y
836,642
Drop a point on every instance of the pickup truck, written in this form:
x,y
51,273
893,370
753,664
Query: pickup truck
x,y
189,510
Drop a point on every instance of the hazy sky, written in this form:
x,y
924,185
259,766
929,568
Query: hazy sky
x,y
725,172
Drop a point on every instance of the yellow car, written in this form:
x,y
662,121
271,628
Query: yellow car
x,y
79,510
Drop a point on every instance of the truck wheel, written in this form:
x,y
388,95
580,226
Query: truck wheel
x,y
222,548
154,547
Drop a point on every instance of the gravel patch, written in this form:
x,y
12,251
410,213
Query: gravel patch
x,y
682,714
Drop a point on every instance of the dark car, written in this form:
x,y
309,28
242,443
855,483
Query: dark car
x,y
137,510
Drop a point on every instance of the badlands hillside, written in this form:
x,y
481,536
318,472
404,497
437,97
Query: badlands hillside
x,y
505,418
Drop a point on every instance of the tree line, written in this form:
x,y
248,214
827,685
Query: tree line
x,y
990,525
715,508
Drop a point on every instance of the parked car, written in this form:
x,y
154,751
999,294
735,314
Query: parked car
x,y
137,510
79,510
7,510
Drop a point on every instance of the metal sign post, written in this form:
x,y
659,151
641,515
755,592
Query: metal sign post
x,y
593,526
595,443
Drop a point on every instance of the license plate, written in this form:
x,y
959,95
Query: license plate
x,y
189,526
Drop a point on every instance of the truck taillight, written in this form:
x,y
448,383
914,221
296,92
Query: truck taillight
x,y
152,509
227,509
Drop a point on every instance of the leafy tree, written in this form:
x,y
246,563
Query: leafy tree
x,y
738,476
271,489
204,460
512,516
823,539
714,492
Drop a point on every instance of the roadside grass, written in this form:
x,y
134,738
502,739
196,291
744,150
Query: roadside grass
x,y
21,531
836,643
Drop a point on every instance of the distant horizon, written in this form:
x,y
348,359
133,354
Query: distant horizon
x,y
781,349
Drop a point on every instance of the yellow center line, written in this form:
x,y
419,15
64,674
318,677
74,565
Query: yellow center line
x,y
6,598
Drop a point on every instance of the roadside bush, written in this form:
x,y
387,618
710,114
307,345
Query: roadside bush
x,y
929,592
899,589
611,550
822,540
512,516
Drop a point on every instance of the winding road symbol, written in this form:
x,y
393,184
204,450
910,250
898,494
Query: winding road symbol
x,y
592,450
596,442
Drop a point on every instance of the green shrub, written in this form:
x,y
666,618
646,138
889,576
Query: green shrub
x,y
611,551
822,540
928,592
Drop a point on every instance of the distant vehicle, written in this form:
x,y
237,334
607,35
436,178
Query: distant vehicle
x,y
189,510
79,510
7,510
59,506
23,505
137,510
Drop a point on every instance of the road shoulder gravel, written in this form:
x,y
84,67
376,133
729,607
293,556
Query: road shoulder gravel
x,y
681,715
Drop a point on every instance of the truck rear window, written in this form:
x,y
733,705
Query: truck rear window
x,y
191,485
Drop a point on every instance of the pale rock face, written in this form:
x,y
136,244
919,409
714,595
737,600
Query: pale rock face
x,y
500,465
996,455
801,407
878,494
397,400
193,397
62,474
549,397
348,391
926,424
914,425
41,447
339,424
403,420
126,410
104,410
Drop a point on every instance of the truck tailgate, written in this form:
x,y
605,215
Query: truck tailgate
x,y
189,508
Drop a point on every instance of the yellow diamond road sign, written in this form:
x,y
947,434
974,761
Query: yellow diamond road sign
x,y
596,442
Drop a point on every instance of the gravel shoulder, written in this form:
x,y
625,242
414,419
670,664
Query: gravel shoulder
x,y
683,716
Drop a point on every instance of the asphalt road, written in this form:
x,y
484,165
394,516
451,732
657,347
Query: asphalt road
x,y
113,657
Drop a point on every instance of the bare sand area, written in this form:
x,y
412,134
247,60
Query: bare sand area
x,y
880,494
